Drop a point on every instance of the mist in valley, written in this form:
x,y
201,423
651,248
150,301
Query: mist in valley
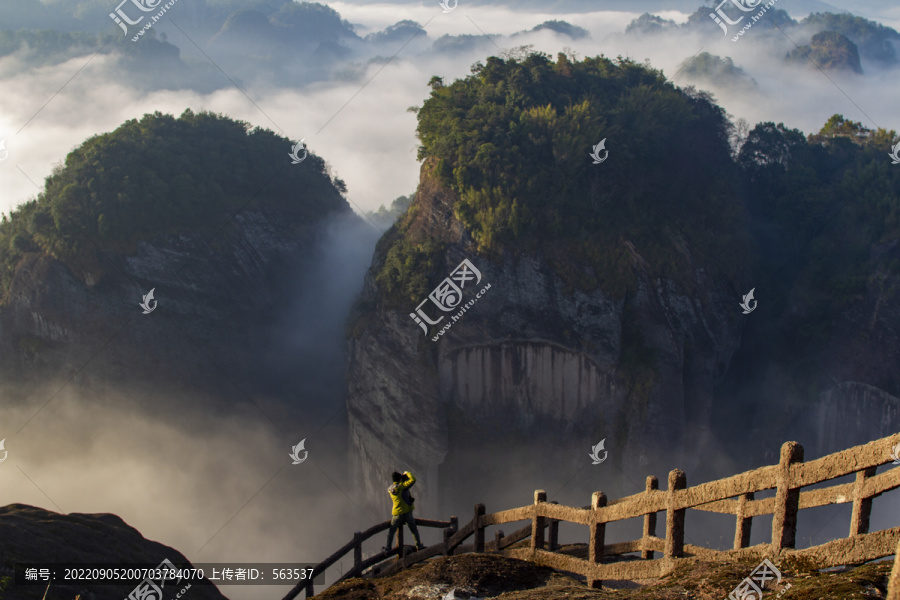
x,y
215,481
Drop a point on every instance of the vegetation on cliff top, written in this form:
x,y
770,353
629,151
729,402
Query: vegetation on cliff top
x,y
828,50
876,42
513,141
825,208
163,175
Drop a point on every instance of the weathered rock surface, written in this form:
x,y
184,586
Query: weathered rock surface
x,y
530,363
210,330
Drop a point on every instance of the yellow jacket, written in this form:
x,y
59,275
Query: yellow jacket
x,y
400,507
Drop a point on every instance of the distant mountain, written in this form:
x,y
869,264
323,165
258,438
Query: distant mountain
x,y
828,50
287,43
874,41
564,28
707,68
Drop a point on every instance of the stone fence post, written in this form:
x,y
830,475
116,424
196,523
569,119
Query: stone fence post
x,y
537,523
598,537
862,507
479,528
742,523
674,518
553,545
650,518
893,591
357,549
445,547
787,498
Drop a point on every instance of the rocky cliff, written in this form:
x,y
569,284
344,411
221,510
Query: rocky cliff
x,y
532,303
532,366
209,323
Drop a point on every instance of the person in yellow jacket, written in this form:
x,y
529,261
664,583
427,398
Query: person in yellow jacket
x,y
402,509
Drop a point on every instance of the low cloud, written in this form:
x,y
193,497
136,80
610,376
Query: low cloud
x,y
362,128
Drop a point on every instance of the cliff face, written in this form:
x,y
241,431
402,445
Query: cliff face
x,y
850,390
531,364
209,331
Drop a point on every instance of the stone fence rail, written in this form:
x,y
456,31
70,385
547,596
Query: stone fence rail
x,y
733,496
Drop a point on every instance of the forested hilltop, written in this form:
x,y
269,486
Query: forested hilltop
x,y
513,140
162,175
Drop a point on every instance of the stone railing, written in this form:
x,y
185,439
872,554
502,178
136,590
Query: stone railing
x,y
733,495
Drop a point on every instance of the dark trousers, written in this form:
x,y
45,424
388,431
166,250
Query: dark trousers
x,y
398,521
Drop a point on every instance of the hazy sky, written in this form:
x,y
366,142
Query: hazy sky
x,y
364,130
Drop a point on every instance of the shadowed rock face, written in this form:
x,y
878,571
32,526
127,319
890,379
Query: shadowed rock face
x,y
531,365
31,534
211,325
